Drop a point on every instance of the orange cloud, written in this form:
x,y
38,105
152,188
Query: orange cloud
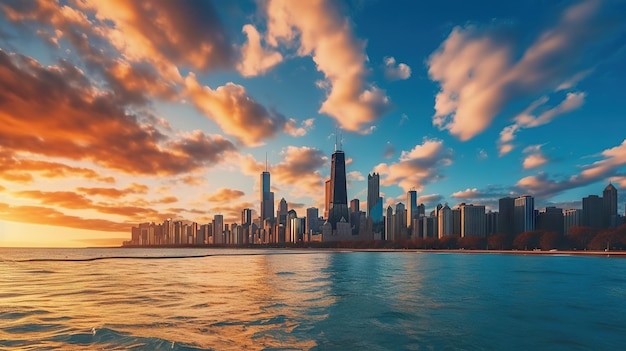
x,y
230,211
417,167
225,195
299,171
256,59
74,201
535,157
55,112
467,194
21,170
48,216
235,112
113,192
321,32
167,200
183,32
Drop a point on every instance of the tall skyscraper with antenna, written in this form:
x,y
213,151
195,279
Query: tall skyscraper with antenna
x,y
267,196
338,190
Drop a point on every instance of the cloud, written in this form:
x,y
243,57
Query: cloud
x,y
317,29
230,211
534,158
417,167
132,81
299,172
403,118
54,111
113,192
235,112
225,195
429,199
478,74
292,129
401,71
542,186
354,176
526,119
49,216
482,154
184,32
75,201
167,200
256,60
467,194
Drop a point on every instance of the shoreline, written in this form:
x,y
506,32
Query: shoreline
x,y
333,249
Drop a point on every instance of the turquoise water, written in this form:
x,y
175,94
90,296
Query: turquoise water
x,y
138,299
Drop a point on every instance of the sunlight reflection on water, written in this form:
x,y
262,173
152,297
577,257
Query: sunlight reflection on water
x,y
277,299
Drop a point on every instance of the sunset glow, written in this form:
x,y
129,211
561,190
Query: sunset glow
x,y
114,113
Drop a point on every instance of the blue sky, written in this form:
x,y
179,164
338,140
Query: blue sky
x,y
117,113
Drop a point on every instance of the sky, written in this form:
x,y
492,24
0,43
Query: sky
x,y
118,112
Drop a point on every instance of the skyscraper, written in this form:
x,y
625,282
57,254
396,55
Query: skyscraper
x,y
389,235
338,191
524,214
246,217
506,208
609,199
593,211
218,229
473,221
373,191
445,221
355,205
375,203
312,221
411,206
267,196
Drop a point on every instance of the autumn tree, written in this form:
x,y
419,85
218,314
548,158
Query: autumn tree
x,y
581,236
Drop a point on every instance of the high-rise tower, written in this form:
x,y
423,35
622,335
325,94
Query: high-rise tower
x,y
411,206
267,196
338,191
609,199
375,203
524,214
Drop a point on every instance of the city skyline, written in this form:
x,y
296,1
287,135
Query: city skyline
x,y
109,118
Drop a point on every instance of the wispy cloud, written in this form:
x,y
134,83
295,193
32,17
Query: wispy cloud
x,y
478,74
526,119
534,157
541,185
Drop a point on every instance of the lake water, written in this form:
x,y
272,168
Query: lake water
x,y
308,300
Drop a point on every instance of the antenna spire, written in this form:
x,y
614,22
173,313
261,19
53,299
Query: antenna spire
x,y
265,161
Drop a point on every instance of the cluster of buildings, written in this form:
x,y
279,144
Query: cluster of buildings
x,y
345,221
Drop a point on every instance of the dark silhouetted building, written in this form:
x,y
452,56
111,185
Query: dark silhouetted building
x,y
338,189
609,199
551,219
506,216
593,211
